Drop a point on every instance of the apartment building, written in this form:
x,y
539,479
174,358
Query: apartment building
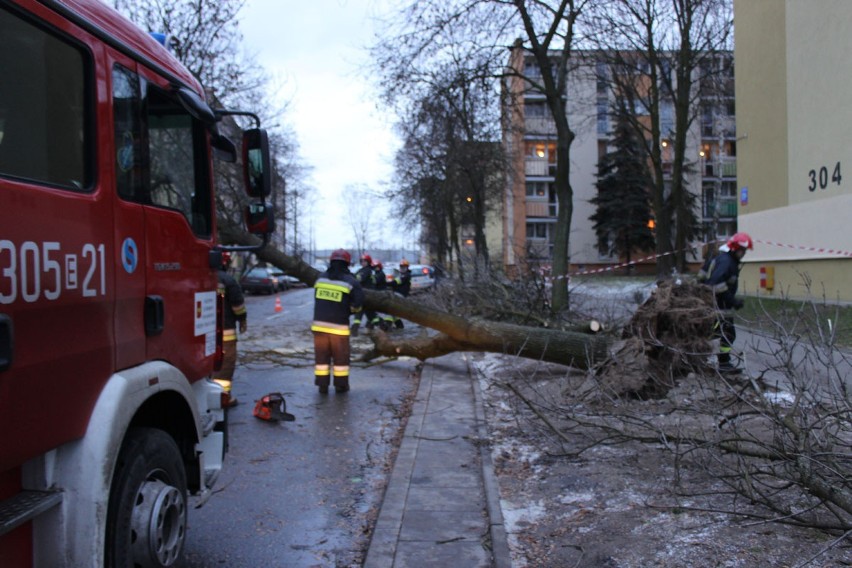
x,y
530,208
793,115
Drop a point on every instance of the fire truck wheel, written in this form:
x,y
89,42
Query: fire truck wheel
x,y
146,519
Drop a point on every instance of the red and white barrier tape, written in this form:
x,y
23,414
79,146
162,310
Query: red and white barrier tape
x,y
656,256
809,249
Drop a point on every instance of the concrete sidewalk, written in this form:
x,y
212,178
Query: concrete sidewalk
x,y
441,506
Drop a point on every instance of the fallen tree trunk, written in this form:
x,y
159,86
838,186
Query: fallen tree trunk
x,y
580,350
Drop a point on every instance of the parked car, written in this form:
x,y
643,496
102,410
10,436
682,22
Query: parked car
x,y
422,277
293,282
391,270
260,280
283,282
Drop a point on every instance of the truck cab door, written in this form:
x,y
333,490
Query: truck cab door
x,y
179,224
127,174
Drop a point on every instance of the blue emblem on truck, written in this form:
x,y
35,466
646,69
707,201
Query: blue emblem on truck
x,y
129,255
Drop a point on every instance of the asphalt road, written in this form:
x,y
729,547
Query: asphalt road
x,y
303,493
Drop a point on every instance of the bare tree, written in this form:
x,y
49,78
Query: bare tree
x,y
665,53
361,203
476,33
772,446
205,36
448,173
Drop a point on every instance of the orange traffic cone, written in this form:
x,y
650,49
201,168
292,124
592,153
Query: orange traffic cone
x,y
278,306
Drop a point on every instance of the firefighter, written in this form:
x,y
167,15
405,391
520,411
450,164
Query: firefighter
x,y
337,295
722,274
234,312
381,284
401,284
367,279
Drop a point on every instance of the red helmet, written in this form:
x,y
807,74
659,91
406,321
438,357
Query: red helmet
x,y
226,259
341,254
740,241
378,264
403,262
367,257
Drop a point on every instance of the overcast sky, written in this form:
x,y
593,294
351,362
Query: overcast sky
x,y
314,50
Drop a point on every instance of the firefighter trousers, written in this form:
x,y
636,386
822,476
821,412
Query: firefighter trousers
x,y
332,356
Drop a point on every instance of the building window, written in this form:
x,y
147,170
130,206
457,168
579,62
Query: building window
x,y
667,118
541,150
537,189
602,76
536,110
537,231
539,243
603,116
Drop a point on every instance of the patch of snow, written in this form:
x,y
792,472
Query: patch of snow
x,y
514,514
782,398
515,518
573,498
624,501
520,452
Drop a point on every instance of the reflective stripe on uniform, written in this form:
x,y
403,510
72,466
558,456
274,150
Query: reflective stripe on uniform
x,y
229,335
332,328
341,371
224,383
331,290
321,370
239,310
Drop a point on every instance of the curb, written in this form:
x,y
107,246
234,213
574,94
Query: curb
x,y
499,541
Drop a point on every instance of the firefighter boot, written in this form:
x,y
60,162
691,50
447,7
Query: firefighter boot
x,y
322,384
341,384
398,324
726,366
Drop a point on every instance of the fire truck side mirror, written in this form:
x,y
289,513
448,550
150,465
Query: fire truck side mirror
x,y
257,170
259,219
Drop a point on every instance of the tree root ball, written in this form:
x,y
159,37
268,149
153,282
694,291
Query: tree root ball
x,y
669,336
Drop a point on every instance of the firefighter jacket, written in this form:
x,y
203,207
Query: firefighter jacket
x,y
234,308
366,277
401,284
723,275
381,279
337,295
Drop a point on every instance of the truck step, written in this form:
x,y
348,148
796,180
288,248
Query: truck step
x,y
25,506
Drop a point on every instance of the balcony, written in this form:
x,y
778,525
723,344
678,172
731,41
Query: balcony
x,y
538,167
719,127
540,126
541,209
719,167
722,208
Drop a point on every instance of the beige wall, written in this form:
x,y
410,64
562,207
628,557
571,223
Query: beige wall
x,y
761,119
795,112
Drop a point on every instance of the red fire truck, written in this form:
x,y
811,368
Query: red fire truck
x,y
109,329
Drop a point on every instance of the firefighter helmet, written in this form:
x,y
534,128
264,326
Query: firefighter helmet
x,y
740,241
378,264
226,260
368,258
273,407
403,262
341,254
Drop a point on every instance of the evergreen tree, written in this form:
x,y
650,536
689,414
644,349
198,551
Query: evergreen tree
x,y
624,182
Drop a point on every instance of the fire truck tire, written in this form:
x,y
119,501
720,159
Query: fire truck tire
x,y
147,512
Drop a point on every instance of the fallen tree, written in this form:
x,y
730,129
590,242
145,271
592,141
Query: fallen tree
x,y
456,333
667,337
